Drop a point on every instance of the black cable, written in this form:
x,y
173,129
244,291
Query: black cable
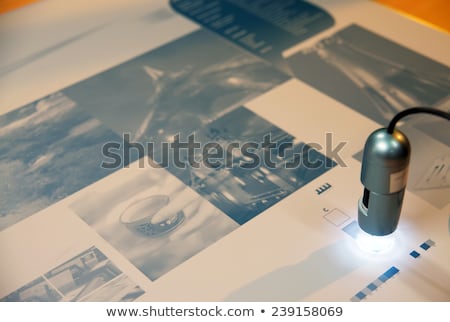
x,y
415,110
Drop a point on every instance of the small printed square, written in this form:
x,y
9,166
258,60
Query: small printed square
x,y
430,242
352,229
336,217
355,299
361,295
391,272
367,291
383,278
425,246
372,286
414,254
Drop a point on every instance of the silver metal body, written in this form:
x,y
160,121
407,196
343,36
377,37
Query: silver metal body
x,y
384,175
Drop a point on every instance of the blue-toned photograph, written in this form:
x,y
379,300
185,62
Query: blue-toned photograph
x,y
265,165
152,218
176,88
82,274
49,149
371,74
38,290
89,276
120,289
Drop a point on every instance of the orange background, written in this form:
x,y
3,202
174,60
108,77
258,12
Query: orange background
x,y
435,12
6,5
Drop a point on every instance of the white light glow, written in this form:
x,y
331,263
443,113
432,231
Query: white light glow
x,y
375,244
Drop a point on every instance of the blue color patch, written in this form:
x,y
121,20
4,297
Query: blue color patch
x,y
425,246
414,254
383,278
360,295
352,229
372,287
391,272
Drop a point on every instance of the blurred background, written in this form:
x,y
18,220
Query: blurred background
x,y
433,12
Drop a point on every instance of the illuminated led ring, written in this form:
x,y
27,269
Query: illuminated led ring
x,y
137,217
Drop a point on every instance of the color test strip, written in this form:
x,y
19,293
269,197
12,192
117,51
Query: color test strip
x,y
383,278
425,246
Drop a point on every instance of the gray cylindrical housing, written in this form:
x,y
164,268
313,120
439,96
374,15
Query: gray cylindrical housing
x,y
384,175
385,161
381,216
